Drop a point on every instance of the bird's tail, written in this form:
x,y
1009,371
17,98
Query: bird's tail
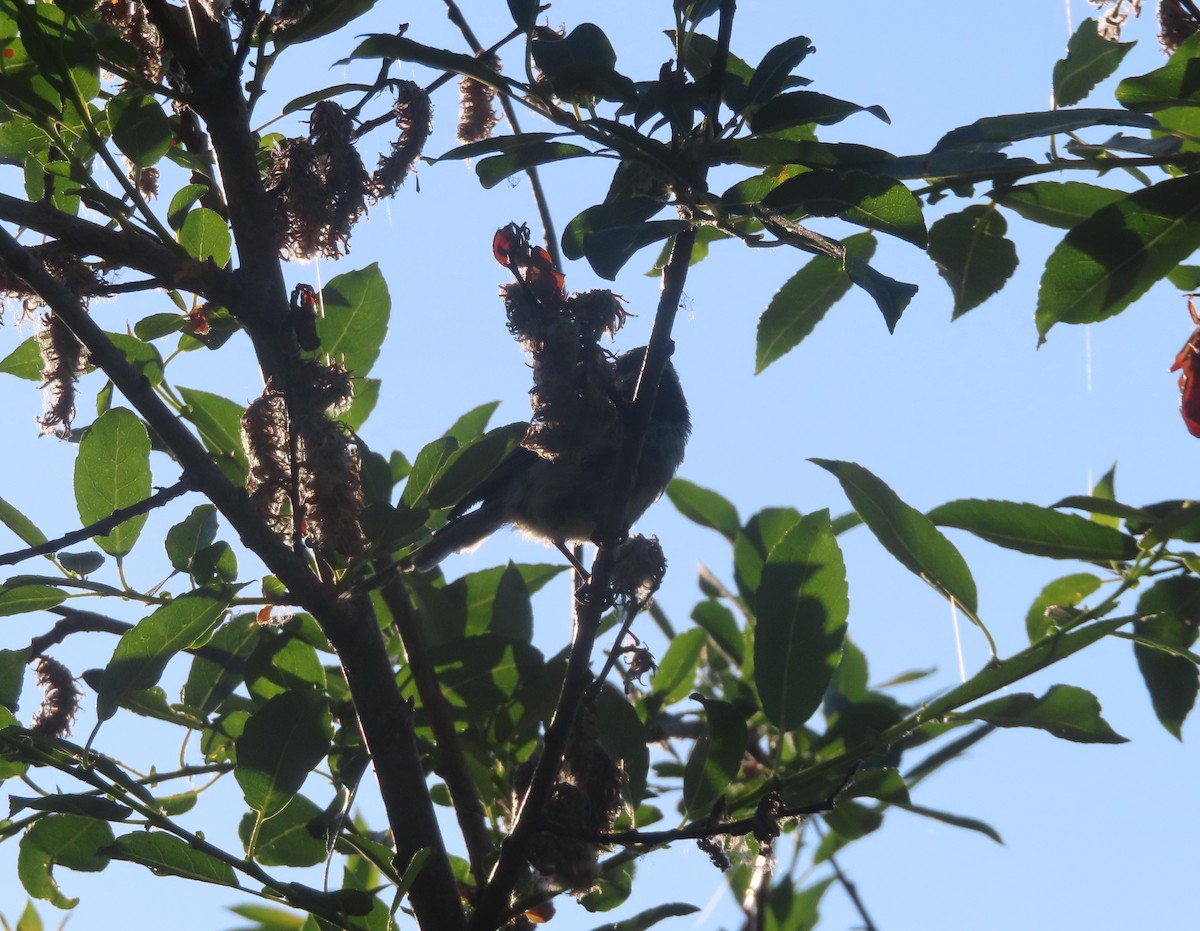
x,y
460,533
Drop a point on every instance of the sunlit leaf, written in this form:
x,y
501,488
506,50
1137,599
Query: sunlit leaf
x,y
972,254
112,471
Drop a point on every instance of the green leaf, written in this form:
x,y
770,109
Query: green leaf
x,y
166,855
651,916
294,837
181,203
469,465
1066,711
675,677
21,525
141,355
282,743
143,652
721,626
716,757
206,236
958,821
1067,592
1036,530
322,18
998,131
89,806
803,301
112,471
1172,85
190,535
801,607
803,107
704,507
891,296
581,64
1063,204
220,667
25,361
972,254
1112,258
906,533
491,171
357,307
1090,59
140,128
25,599
73,841
874,201
772,73
80,564
219,422
1170,609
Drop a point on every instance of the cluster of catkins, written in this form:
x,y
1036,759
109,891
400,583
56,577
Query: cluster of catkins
x,y
573,380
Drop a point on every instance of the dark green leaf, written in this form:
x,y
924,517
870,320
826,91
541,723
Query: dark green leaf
x,y
958,821
716,757
792,909
611,889
1175,84
182,202
890,295
80,564
1063,204
143,652
294,837
89,806
801,607
581,64
469,465
874,201
166,855
1090,59
1111,259
139,128
853,820
428,465
771,75
73,841
1067,592
651,916
141,355
804,299
1036,530
112,471
491,171
721,626
801,107
704,507
220,667
1171,608
325,93
758,537
190,535
972,254
282,743
219,422
997,131
322,17
1066,711
156,326
906,533
357,308
810,153
206,236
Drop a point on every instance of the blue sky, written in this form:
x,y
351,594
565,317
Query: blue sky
x,y
1096,836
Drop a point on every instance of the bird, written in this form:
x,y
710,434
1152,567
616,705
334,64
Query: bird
x,y
565,499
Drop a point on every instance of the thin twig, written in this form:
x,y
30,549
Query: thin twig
x,y
549,236
101,527
75,621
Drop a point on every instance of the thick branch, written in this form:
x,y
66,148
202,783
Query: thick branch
x,y
452,764
349,623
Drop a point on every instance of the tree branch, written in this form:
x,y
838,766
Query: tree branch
x,y
100,527
349,623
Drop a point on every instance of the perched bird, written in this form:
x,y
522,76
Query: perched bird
x,y
565,499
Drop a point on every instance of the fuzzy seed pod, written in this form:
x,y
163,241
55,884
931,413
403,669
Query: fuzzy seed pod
x,y
414,119
1176,24
476,113
60,699
63,359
